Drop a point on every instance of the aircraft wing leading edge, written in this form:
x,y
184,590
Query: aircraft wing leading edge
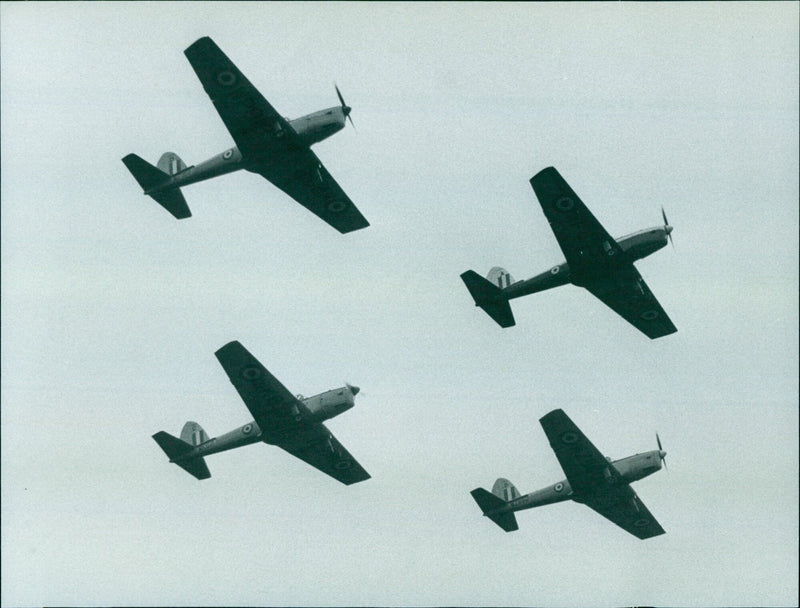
x,y
268,142
284,419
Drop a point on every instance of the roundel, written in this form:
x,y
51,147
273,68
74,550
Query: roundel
x,y
342,465
649,315
337,206
226,78
227,154
569,437
565,203
251,373
555,270
558,487
639,523
247,428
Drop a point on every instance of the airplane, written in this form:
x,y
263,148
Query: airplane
x,y
293,423
266,143
594,260
592,479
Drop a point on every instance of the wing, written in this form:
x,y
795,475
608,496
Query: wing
x,y
626,293
318,447
267,141
276,411
622,506
587,470
585,243
594,479
252,122
301,175
285,420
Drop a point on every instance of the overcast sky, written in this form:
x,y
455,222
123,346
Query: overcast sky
x,y
112,310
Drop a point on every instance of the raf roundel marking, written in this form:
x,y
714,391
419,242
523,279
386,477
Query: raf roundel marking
x,y
251,373
226,78
569,438
649,315
337,206
342,465
639,523
247,428
565,203
555,270
558,487
227,154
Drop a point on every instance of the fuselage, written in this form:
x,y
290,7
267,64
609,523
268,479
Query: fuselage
x,y
311,128
308,409
630,469
635,246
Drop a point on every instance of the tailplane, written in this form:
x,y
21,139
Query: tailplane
x,y
488,294
150,178
178,450
491,506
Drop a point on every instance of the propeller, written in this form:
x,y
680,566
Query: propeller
x,y
353,389
345,108
661,453
667,227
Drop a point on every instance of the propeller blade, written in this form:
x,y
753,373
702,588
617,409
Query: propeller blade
x,y
345,108
667,227
661,453
339,93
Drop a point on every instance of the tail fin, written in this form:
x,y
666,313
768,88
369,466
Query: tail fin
x,y
489,504
193,434
500,277
177,450
170,163
504,489
150,177
489,296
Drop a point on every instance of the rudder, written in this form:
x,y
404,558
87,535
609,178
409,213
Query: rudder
x,y
170,163
193,434
505,490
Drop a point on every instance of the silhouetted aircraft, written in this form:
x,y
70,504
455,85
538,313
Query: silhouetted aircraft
x,y
592,479
293,423
595,261
266,143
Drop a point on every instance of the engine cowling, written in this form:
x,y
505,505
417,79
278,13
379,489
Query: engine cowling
x,y
331,403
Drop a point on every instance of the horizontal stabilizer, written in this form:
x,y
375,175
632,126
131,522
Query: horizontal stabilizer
x,y
489,503
176,449
489,297
150,177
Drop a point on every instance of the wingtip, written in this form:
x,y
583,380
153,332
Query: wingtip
x,y
556,412
544,172
228,346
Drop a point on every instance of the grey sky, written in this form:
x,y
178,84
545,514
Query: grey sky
x,y
112,310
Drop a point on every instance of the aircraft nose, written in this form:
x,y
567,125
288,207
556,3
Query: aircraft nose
x,y
662,454
667,228
353,389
